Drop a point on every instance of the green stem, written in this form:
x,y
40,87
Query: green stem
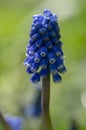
x,y
4,123
45,103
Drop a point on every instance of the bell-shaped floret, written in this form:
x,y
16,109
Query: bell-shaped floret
x,y
37,57
34,67
44,63
29,70
43,51
39,43
53,68
59,63
42,31
49,44
35,78
56,78
57,50
36,36
62,70
31,50
28,61
51,58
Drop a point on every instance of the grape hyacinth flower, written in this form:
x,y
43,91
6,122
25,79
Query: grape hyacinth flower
x,y
44,56
16,123
44,51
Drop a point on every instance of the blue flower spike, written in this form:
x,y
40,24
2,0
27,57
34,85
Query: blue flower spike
x,y
44,53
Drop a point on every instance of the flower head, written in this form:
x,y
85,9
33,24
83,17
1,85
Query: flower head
x,y
44,51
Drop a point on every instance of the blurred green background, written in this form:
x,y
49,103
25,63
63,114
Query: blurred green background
x,y
67,98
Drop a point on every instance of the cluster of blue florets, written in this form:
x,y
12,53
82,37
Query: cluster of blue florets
x,y
44,53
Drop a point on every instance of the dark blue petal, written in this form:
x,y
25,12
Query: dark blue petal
x,y
35,37
28,61
32,49
49,27
62,70
56,78
52,34
42,31
31,41
55,40
61,56
57,29
34,67
54,17
46,38
53,68
46,20
54,23
47,13
60,44
44,63
57,50
58,36
51,58
43,51
39,43
33,31
38,25
29,71
35,78
59,63
36,20
49,44
38,17
37,57
44,72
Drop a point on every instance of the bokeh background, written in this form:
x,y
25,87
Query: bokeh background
x,y
67,98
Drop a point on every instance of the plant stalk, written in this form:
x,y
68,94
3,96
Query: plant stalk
x,y
45,103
